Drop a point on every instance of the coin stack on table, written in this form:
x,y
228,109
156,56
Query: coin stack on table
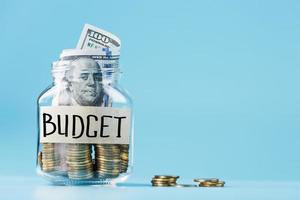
x,y
209,182
79,161
49,157
108,161
164,181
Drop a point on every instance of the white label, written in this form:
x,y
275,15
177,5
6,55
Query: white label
x,y
84,124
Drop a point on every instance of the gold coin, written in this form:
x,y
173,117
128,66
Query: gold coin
x,y
171,178
207,184
165,176
80,164
164,180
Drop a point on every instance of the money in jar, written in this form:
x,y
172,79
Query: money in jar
x,y
85,118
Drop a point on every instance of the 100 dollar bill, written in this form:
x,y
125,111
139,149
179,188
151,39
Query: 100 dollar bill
x,y
96,38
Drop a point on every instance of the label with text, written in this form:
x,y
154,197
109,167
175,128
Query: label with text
x,y
84,124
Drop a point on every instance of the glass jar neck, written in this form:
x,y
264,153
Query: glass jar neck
x,y
111,77
108,78
83,69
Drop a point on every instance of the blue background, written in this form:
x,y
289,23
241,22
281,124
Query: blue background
x,y
215,83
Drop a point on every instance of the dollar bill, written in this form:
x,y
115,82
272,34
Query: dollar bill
x,y
96,38
107,157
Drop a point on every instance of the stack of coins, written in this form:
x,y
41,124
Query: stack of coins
x,y
164,181
108,161
79,161
124,157
49,157
209,182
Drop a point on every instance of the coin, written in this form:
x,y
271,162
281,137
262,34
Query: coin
x,y
209,182
219,185
79,161
107,160
124,155
49,158
164,180
165,176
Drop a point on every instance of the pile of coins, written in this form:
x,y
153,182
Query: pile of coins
x,y
209,182
170,181
108,160
49,159
79,161
124,157
164,181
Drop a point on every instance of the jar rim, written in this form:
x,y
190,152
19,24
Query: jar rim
x,y
112,54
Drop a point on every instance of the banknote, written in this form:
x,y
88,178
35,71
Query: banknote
x,y
95,38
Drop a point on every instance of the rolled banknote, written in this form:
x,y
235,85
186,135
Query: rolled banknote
x,y
96,38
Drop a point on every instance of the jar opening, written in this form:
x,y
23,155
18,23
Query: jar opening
x,y
85,62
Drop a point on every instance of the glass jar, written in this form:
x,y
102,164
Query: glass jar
x,y
85,122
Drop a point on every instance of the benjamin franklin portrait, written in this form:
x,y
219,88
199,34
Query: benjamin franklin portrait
x,y
85,80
